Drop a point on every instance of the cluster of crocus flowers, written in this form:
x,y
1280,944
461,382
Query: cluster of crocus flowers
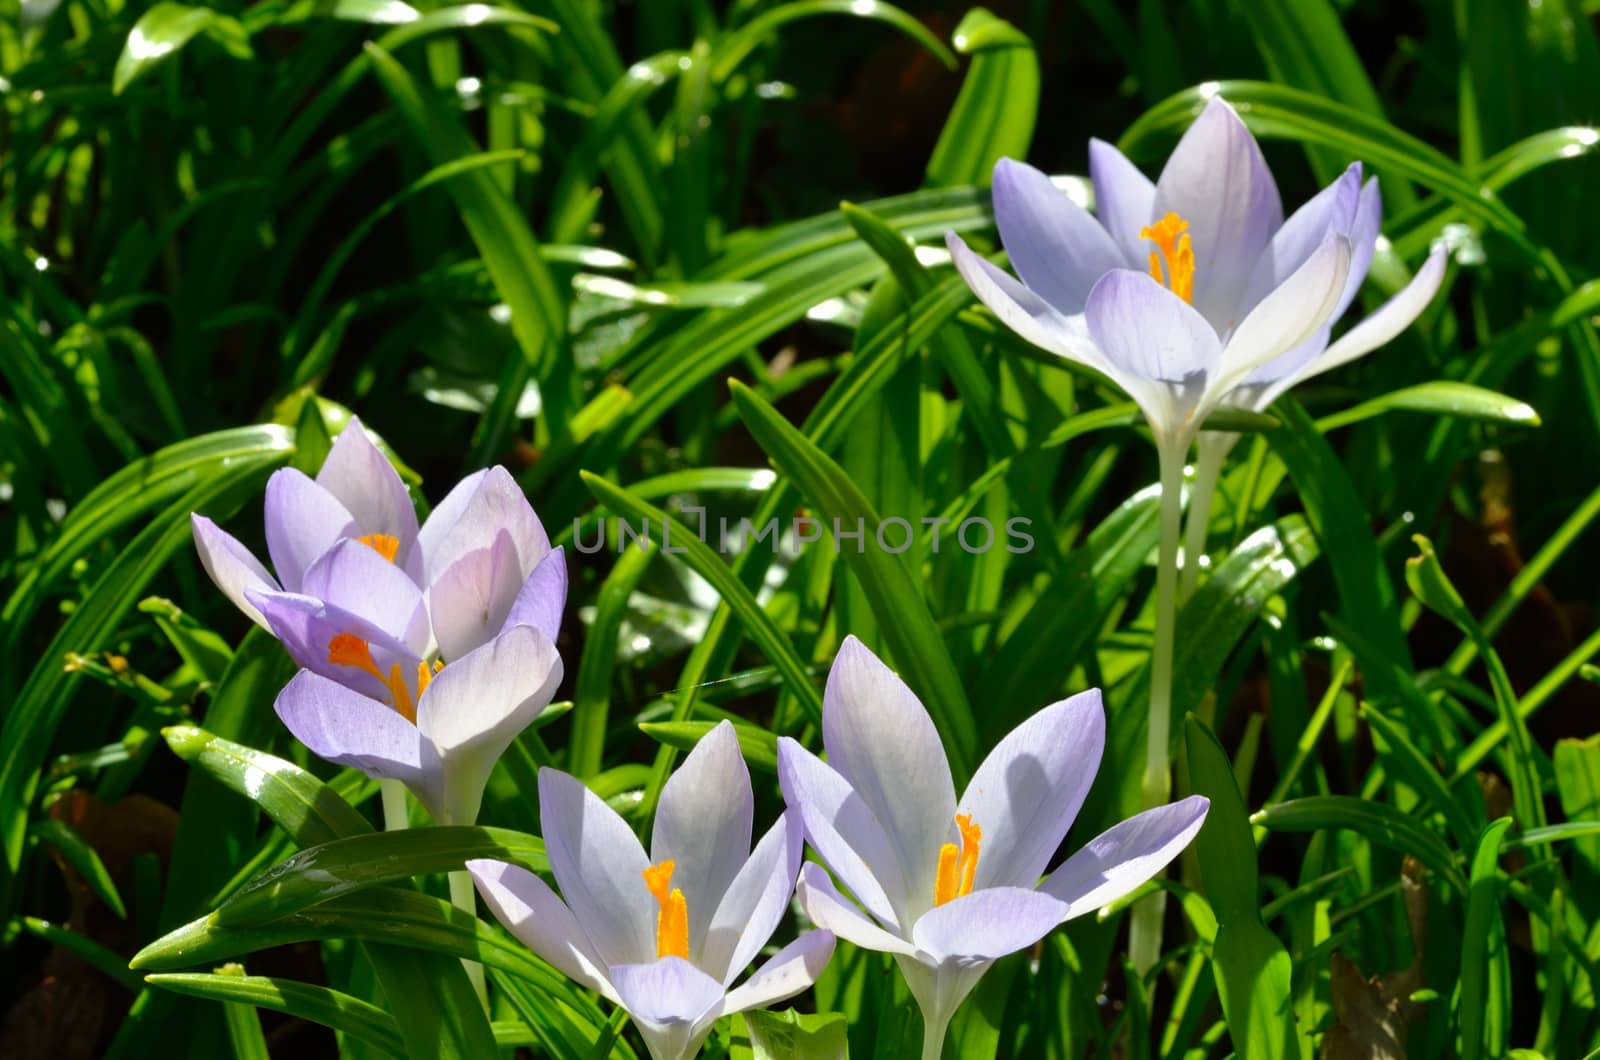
x,y
949,886
664,935
425,649
1191,294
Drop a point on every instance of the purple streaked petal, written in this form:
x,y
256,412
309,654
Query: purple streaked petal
x,y
1029,789
543,597
1217,181
355,578
462,525
831,911
479,703
1387,321
1148,332
530,910
754,902
703,824
307,626
1125,855
665,991
1285,318
881,740
233,568
1055,246
469,600
843,830
791,970
1123,199
362,479
987,925
303,521
349,729
597,860
1021,310
1331,210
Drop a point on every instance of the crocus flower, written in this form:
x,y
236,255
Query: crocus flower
x,y
437,729
949,886
663,935
363,595
1182,290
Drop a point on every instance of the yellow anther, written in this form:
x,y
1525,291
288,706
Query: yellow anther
x,y
958,865
1170,235
347,649
672,922
385,545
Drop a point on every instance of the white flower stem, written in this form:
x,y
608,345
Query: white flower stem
x,y
1144,933
933,1032
395,814
464,898
1207,468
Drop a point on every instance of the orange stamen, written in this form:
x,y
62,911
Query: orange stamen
x,y
672,923
1175,251
958,865
347,649
385,545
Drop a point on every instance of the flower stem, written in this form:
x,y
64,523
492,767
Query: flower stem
x,y
464,898
1144,938
1209,455
933,1032
395,815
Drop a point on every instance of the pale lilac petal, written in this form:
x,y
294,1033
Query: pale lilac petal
x,y
881,740
530,910
1149,332
597,860
470,600
831,911
348,729
754,903
1123,199
703,825
1217,181
479,703
987,925
1055,246
303,521
1125,855
1029,789
307,627
495,504
363,480
233,568
1332,210
355,578
1387,321
1285,318
1021,310
791,970
444,516
843,830
940,988
543,597
669,990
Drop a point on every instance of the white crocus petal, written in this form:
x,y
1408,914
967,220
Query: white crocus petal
x,y
703,824
1283,319
543,597
527,906
478,704
791,970
842,830
672,1002
233,568
881,740
1123,199
471,599
303,521
597,861
495,504
1021,310
754,902
1331,211
987,925
363,480
1058,250
354,578
831,911
1125,856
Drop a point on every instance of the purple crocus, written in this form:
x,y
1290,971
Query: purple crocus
x,y
950,886
663,935
1184,290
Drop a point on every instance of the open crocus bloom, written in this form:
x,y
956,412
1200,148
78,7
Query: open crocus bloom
x,y
952,886
363,595
663,935
437,729
1182,290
